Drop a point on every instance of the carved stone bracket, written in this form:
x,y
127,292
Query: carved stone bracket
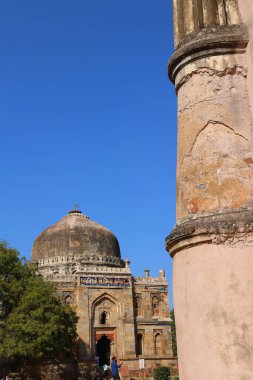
x,y
230,228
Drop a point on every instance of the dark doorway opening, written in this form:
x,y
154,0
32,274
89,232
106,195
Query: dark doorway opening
x,y
104,350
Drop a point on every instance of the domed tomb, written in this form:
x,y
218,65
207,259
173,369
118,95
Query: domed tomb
x,y
75,234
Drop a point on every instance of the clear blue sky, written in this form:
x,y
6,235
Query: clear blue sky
x,y
88,116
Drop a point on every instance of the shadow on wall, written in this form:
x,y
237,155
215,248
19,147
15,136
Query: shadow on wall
x,y
51,370
65,368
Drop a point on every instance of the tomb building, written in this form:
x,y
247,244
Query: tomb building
x,y
119,314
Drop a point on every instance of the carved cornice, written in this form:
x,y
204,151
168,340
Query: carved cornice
x,y
82,259
234,228
87,269
64,272
208,42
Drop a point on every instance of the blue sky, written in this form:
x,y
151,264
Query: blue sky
x,y
88,116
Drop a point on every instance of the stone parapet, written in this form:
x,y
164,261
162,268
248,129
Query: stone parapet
x,y
104,269
150,280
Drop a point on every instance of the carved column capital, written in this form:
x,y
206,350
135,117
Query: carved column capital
x,y
208,43
227,228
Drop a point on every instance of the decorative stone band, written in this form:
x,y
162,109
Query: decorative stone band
x,y
209,42
105,281
69,281
150,280
227,228
83,259
65,271
104,269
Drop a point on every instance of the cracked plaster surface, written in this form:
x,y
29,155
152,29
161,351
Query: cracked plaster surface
x,y
215,134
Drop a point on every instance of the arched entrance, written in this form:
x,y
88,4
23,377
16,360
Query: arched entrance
x,y
103,349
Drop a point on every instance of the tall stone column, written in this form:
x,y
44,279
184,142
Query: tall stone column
x,y
212,242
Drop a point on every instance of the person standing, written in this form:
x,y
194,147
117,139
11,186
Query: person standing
x,y
97,360
105,374
115,368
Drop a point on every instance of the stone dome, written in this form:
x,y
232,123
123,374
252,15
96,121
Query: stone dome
x,y
75,234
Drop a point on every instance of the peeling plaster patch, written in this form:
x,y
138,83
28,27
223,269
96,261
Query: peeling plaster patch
x,y
201,186
248,160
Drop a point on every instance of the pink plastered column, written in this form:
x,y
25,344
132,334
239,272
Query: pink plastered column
x,y
212,242
213,292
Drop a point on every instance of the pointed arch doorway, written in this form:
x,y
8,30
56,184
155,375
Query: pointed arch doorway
x,y
103,348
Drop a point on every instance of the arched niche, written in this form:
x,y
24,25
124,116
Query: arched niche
x,y
138,305
158,344
155,306
68,300
104,310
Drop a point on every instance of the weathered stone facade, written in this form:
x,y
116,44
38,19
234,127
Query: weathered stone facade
x,y
119,314
212,242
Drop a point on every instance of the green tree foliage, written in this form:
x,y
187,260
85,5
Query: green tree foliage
x,y
161,373
33,322
13,277
173,333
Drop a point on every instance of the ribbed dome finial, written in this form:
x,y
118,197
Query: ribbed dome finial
x,y
75,211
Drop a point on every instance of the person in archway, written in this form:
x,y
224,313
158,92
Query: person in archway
x,y
115,368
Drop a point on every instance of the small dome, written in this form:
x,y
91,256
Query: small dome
x,y
75,234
